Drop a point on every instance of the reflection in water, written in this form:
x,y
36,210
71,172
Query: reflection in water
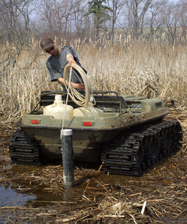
x,y
11,198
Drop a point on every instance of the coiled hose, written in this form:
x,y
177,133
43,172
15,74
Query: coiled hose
x,y
76,96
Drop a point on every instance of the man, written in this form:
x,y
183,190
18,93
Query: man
x,y
56,63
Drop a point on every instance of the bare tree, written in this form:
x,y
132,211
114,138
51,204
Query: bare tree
x,y
171,21
15,28
47,10
57,15
154,19
15,17
82,26
116,8
136,11
183,19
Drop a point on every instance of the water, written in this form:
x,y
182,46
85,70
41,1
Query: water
x,y
44,195
19,191
10,197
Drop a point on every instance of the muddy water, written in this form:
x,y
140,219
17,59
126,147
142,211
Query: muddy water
x,y
9,197
19,191
43,195
41,191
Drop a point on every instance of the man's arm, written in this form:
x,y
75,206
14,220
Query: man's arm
x,y
79,86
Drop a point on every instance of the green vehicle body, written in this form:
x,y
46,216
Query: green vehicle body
x,y
122,114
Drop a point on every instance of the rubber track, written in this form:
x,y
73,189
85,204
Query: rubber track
x,y
133,153
23,150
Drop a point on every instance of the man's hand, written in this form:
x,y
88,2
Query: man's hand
x,y
79,86
70,59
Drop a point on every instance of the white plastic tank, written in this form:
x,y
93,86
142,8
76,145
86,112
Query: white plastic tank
x,y
57,109
89,111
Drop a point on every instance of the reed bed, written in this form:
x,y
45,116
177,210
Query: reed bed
x,y
139,68
128,67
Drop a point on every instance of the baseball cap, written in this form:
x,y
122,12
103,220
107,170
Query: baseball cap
x,y
46,42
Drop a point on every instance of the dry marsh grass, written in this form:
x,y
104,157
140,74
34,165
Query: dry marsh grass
x,y
139,68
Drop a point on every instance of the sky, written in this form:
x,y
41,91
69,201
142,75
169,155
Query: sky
x,y
174,1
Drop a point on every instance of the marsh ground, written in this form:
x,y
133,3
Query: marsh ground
x,y
36,194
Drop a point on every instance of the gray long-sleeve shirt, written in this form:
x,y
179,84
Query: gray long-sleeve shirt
x,y
56,65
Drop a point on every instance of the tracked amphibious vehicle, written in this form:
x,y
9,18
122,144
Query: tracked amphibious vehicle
x,y
128,133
